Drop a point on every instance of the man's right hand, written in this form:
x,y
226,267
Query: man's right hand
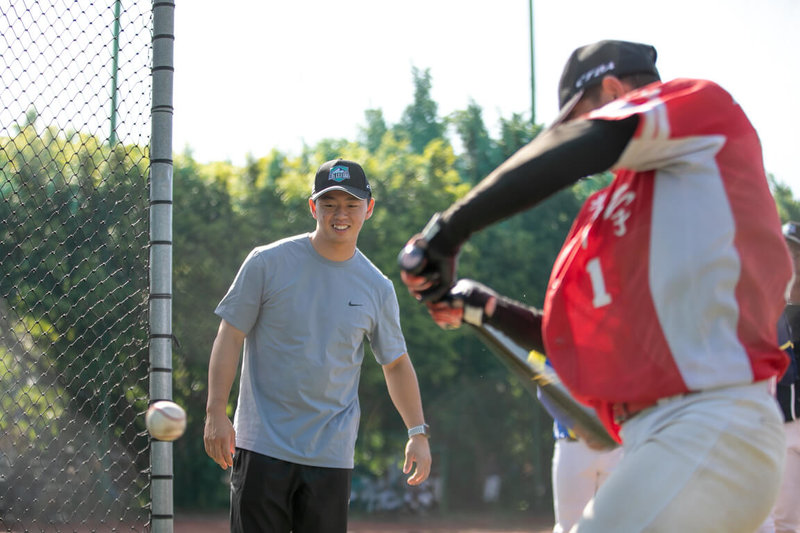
x,y
219,438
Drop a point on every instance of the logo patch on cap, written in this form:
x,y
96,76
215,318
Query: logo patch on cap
x,y
339,173
596,72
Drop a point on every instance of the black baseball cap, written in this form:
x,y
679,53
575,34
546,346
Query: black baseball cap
x,y
791,232
588,65
341,175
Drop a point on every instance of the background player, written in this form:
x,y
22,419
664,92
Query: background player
x,y
661,307
785,516
578,472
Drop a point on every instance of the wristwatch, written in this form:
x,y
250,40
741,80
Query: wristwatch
x,y
423,429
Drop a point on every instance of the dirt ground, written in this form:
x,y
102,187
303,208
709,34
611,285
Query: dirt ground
x,y
397,524
218,523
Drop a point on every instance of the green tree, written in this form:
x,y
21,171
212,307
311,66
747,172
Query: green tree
x,y
788,207
372,134
420,123
481,154
515,132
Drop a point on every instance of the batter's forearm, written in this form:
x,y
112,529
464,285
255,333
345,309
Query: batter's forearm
x,y
521,323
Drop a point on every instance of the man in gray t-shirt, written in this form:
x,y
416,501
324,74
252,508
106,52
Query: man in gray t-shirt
x,y
302,308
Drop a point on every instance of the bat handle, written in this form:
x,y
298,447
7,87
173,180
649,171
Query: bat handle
x,y
412,259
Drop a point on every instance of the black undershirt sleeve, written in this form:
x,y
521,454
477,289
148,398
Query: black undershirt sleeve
x,y
554,160
520,323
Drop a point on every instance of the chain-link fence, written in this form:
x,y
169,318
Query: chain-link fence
x,y
75,128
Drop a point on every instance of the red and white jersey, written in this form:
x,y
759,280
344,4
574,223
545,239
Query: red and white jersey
x,y
672,279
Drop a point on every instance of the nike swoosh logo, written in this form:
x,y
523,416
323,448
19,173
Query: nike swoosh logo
x,y
351,304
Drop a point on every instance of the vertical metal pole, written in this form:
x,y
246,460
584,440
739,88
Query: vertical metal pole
x,y
112,141
161,485
533,70
112,136
538,461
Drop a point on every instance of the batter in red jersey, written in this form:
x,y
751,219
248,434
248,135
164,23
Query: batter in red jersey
x,y
662,305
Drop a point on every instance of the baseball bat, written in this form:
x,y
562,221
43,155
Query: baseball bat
x,y
536,374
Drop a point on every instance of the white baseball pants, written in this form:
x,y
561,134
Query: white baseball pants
x,y
703,462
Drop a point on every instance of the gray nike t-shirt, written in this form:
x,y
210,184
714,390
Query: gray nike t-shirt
x,y
306,319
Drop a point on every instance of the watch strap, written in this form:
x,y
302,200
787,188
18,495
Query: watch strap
x,y
422,429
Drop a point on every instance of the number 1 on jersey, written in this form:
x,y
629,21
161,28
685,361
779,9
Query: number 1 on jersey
x,y
601,296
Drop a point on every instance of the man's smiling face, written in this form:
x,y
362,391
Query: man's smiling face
x,y
340,216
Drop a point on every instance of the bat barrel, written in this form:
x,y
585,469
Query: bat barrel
x,y
555,396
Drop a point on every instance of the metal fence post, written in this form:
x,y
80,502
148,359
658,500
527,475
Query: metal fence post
x,y
161,256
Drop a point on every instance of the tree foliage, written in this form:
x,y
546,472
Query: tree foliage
x,y
420,123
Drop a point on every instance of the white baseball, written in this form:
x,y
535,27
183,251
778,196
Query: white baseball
x,y
165,420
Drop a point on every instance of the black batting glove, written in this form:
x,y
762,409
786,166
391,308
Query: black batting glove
x,y
474,296
467,301
431,257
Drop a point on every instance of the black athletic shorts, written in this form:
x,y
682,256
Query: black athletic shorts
x,y
273,496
